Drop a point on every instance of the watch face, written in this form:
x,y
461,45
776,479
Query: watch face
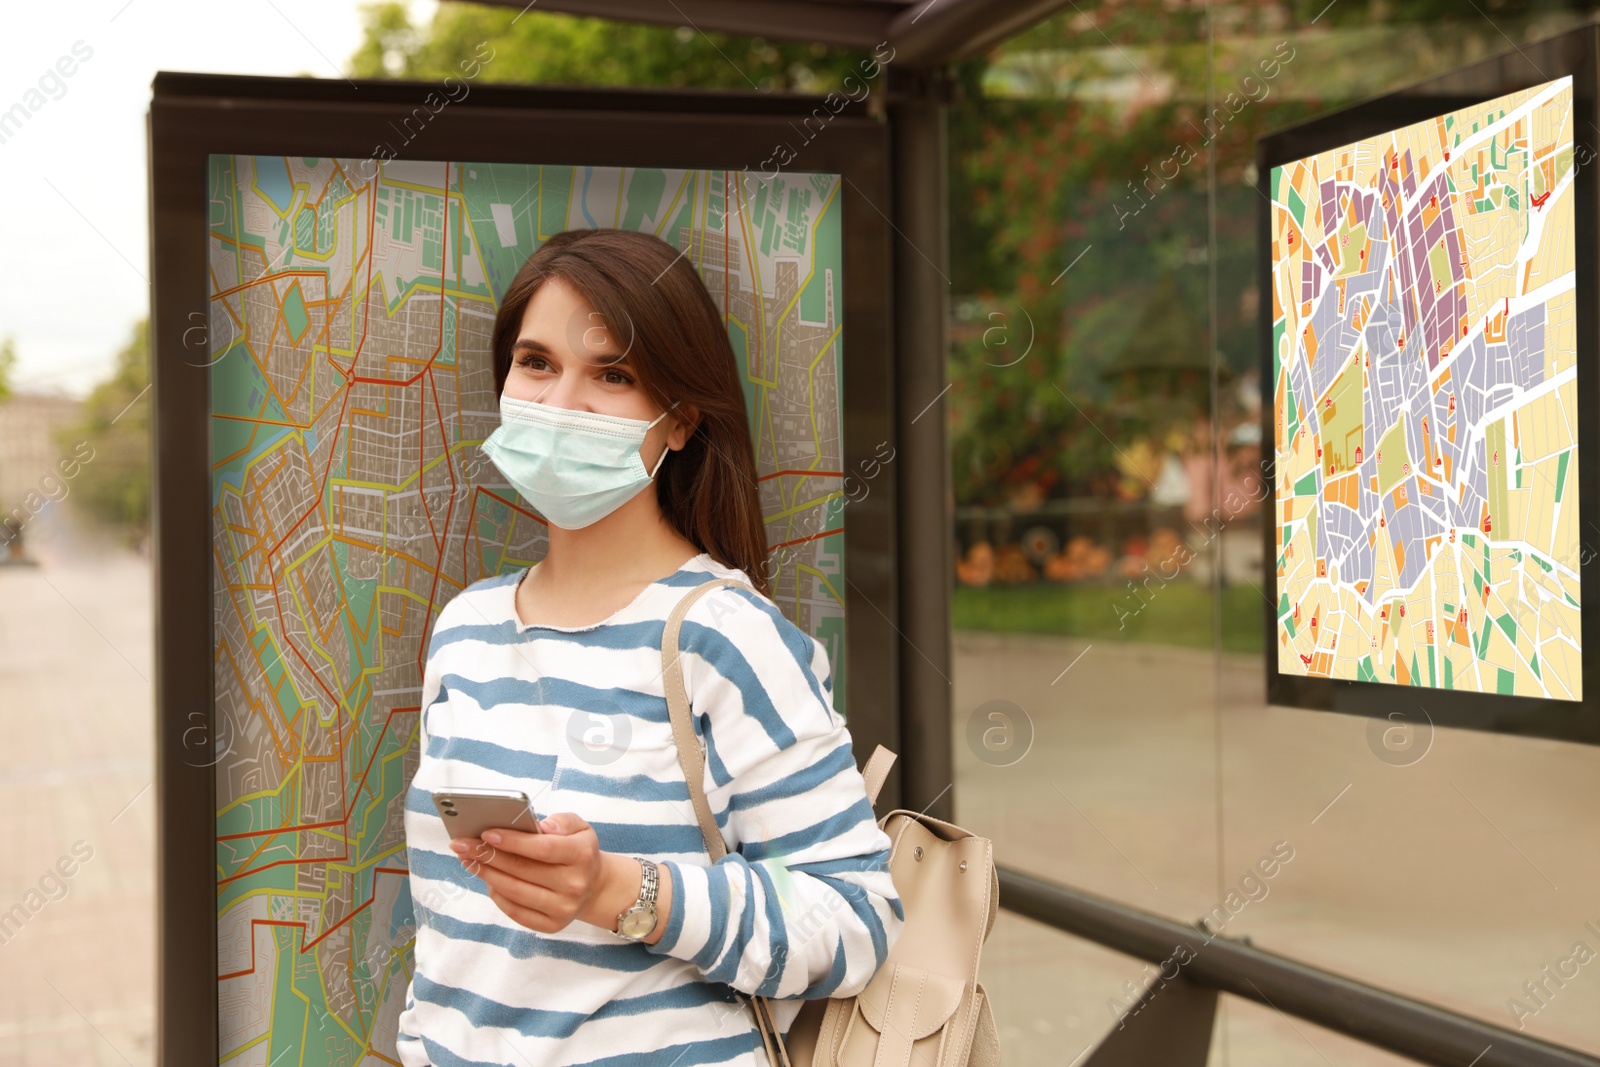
x,y
637,922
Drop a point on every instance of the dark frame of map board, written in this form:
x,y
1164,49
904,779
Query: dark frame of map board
x,y
1470,602
318,964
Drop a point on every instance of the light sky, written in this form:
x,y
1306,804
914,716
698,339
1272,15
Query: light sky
x,y
75,232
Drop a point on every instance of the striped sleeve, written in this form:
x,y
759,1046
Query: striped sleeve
x,y
803,904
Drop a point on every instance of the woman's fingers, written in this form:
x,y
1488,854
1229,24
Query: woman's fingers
x,y
524,916
543,847
553,909
540,880
564,842
550,874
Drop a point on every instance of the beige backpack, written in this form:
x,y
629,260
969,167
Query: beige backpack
x,y
925,1006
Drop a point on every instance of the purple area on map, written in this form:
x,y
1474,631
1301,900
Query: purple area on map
x,y
1326,258
1345,539
1525,342
1394,377
1474,478
1409,525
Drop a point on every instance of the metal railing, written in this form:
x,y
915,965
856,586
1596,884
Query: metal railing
x,y
1211,964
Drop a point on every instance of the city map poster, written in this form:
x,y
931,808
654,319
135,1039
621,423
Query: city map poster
x,y
1425,404
351,310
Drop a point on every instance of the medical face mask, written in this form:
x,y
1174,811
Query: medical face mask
x,y
575,467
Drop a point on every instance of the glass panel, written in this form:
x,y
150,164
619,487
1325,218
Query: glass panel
x,y
1254,1035
1081,444
1452,865
1054,996
1110,725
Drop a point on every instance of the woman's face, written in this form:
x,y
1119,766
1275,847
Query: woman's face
x,y
567,357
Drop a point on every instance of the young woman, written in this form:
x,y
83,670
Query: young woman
x,y
610,937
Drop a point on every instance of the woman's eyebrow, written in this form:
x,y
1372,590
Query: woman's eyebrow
x,y
529,344
532,344
605,359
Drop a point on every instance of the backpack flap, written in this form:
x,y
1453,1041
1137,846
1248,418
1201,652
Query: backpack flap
x,y
947,888
903,1014
920,1001
949,832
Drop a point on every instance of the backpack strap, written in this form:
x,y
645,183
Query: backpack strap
x,y
693,758
876,770
690,754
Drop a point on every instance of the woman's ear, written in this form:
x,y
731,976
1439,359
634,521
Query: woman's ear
x,y
685,420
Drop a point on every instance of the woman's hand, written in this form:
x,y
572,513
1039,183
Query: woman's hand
x,y
546,880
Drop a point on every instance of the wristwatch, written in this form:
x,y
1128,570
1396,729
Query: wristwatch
x,y
636,923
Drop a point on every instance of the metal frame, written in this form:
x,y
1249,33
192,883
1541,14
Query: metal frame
x,y
924,33
1573,53
843,23
936,32
192,116
1399,1024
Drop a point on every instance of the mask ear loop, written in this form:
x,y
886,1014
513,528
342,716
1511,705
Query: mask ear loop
x,y
664,448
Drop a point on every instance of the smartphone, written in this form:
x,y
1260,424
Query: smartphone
x,y
469,812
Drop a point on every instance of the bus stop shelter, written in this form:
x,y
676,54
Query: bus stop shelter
x,y
891,150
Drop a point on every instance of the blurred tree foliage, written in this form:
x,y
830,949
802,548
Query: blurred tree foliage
x,y
1104,140
1081,220
8,361
540,46
113,487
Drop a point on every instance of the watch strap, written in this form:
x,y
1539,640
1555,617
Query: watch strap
x,y
650,881
649,884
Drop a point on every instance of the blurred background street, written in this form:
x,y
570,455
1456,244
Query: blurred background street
x,y
77,980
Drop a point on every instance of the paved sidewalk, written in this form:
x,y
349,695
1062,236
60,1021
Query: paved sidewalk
x,y
77,980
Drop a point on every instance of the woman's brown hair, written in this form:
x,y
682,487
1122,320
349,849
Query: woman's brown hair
x,y
652,301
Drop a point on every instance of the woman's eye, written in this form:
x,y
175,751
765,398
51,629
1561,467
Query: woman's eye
x,y
616,377
531,362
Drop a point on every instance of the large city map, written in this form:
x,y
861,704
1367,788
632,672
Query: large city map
x,y
352,304
1425,380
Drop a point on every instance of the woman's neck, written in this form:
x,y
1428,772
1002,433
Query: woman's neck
x,y
632,546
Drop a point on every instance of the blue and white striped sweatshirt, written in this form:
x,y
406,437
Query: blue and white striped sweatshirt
x,y
802,906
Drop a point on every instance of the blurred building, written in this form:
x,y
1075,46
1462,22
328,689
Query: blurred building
x,y
29,476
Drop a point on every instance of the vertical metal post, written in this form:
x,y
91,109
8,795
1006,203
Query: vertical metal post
x,y
180,530
916,109
1170,1024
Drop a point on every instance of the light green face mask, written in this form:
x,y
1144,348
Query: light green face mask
x,y
574,467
